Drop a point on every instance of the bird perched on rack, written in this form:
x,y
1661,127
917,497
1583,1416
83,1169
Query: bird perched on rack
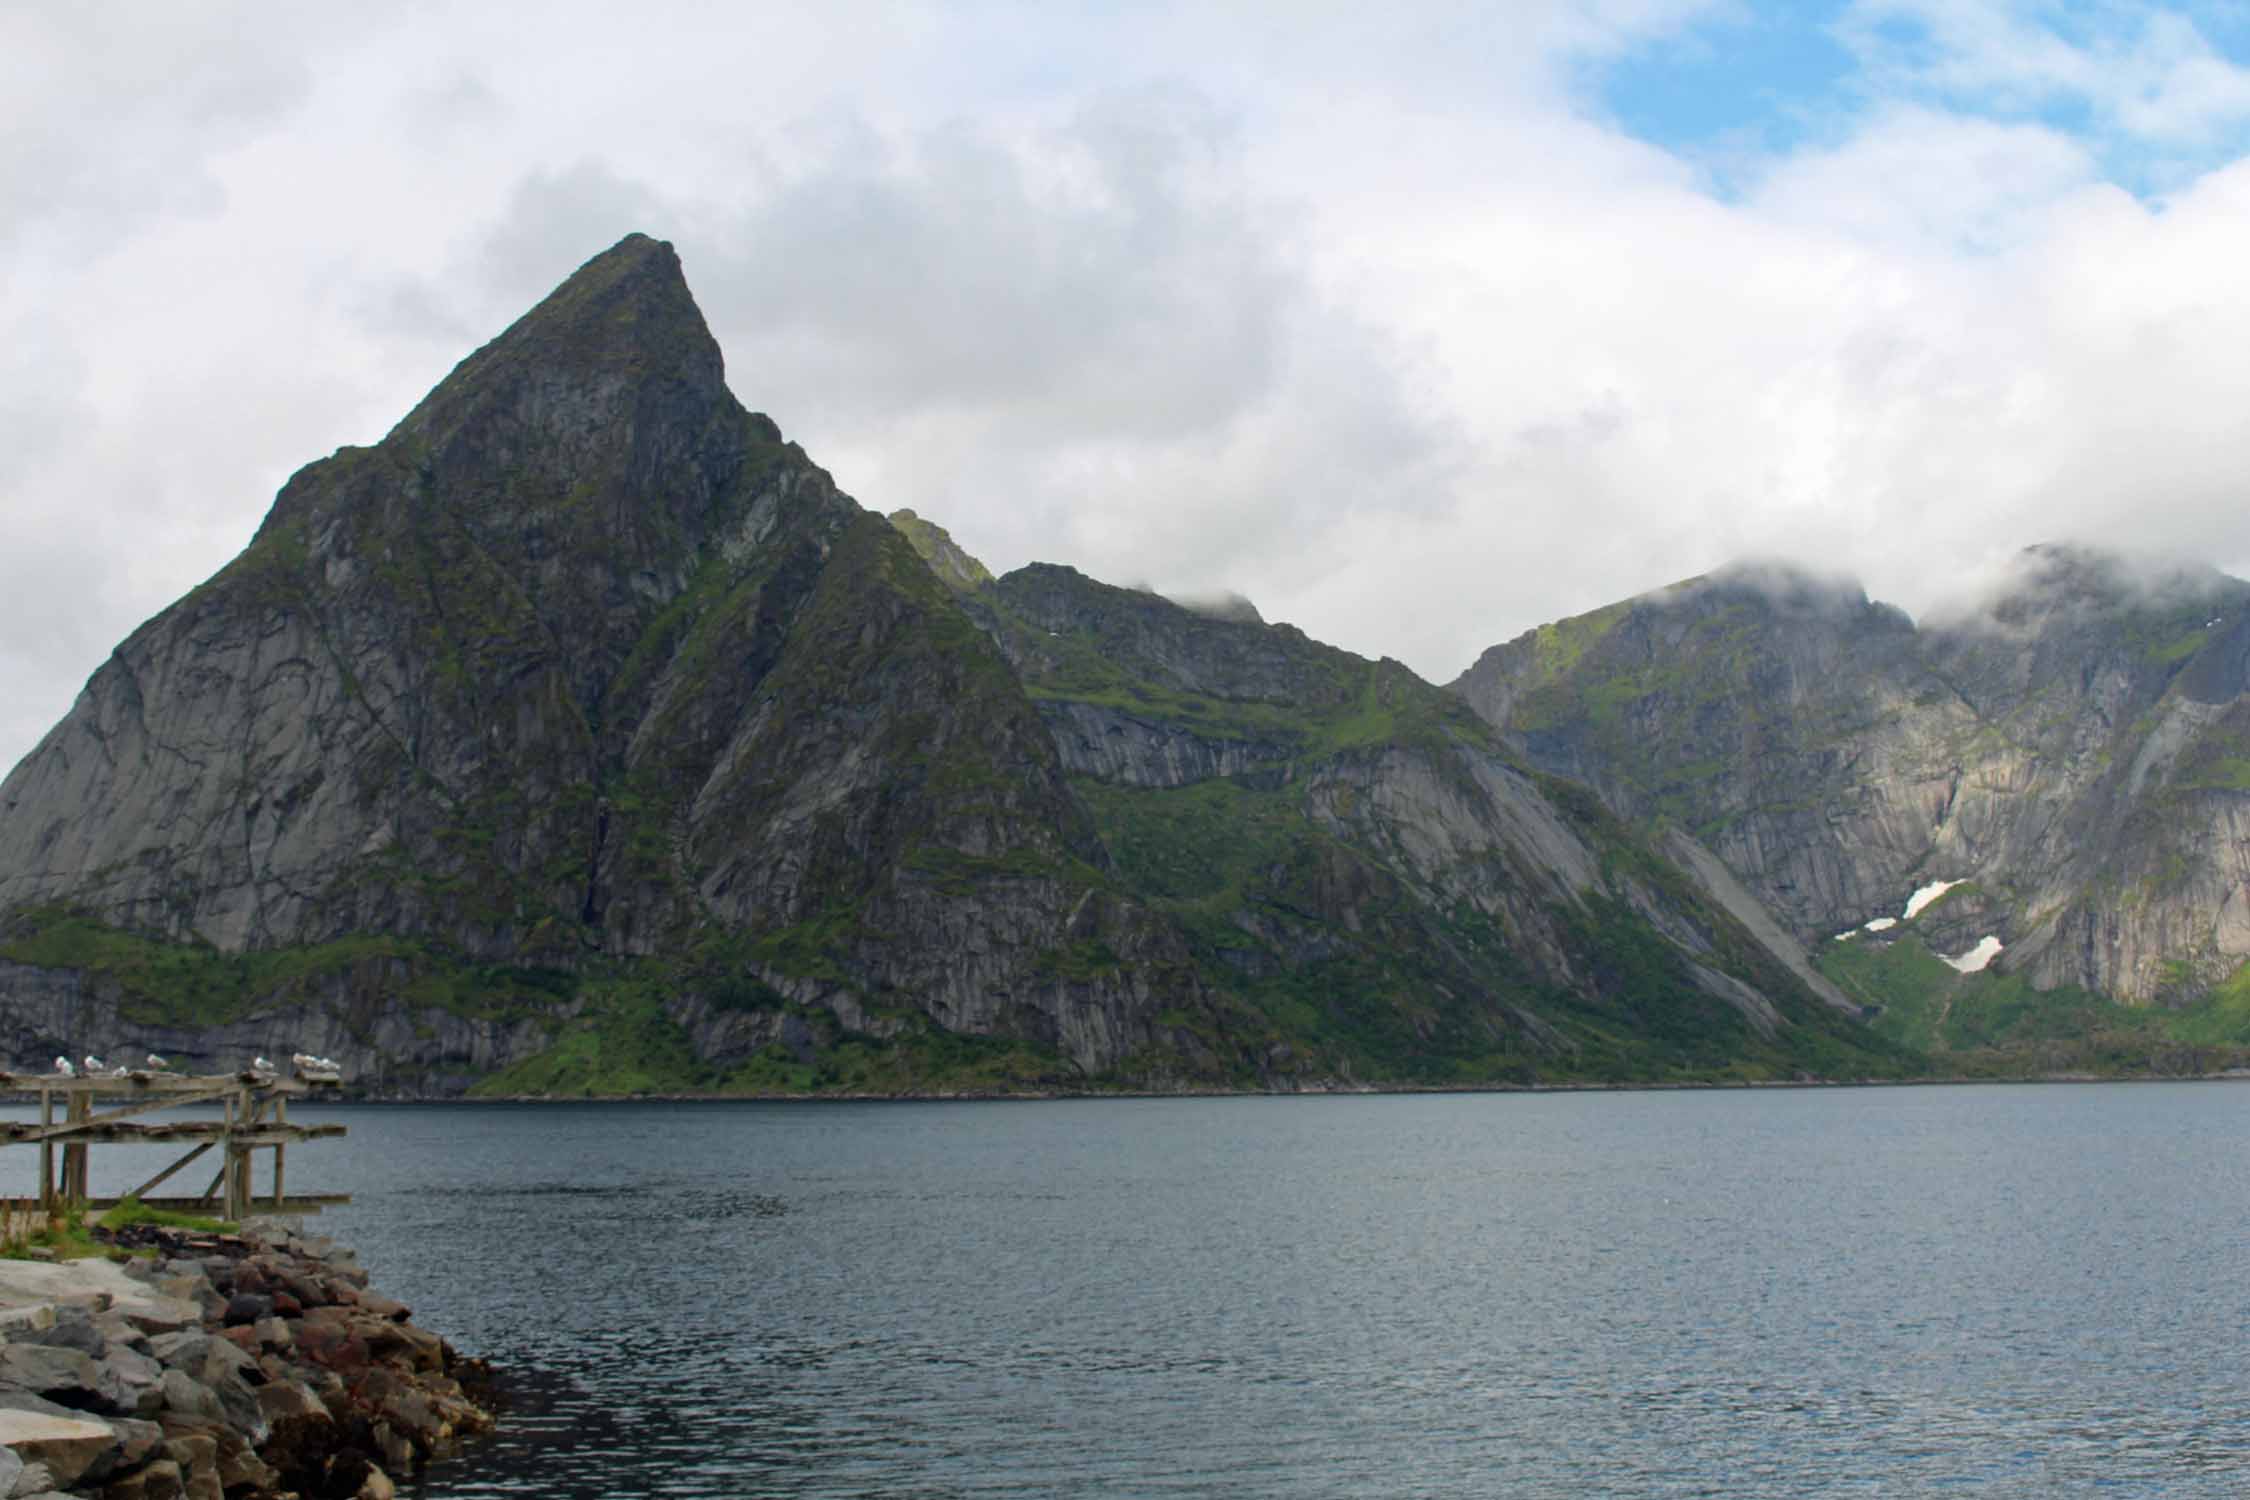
x,y
91,1063
260,1065
157,1062
62,1066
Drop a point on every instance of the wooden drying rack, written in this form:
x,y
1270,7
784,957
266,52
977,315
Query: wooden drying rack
x,y
254,1117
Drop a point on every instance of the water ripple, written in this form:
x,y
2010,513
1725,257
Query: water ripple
x,y
1896,1293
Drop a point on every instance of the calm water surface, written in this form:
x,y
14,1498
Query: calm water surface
x,y
2006,1291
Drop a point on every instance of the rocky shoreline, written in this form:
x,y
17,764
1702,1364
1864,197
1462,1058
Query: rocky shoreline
x,y
250,1366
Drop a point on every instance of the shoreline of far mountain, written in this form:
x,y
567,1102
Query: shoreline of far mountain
x,y
1054,1095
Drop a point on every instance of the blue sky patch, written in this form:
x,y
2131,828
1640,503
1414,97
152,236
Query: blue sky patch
x,y
1763,80
1768,80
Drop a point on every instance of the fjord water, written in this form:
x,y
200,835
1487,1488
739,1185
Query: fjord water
x,y
1997,1290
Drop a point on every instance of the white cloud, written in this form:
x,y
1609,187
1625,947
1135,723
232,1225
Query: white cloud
x,y
2145,71
1914,179
1357,314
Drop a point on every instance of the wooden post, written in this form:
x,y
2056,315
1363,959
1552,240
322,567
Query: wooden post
x,y
238,1189
230,1160
280,1150
74,1151
46,1151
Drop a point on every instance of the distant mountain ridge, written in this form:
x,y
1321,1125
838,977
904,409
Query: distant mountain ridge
x,y
2074,755
582,736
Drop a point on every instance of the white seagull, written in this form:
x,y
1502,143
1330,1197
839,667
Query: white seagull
x,y
62,1066
91,1063
157,1062
260,1065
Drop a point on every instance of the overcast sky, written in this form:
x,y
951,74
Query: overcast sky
x,y
1417,323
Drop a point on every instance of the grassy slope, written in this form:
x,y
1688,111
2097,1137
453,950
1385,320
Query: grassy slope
x,y
194,984
1408,991
611,1032
622,1041
1997,1025
1246,873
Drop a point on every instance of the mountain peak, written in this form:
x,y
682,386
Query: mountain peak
x,y
1226,605
2049,577
1785,587
588,454
622,319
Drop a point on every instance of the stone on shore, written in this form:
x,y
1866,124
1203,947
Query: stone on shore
x,y
161,1480
61,1375
236,1367
282,1399
66,1446
129,1381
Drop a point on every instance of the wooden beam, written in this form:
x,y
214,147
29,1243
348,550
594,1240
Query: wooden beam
x,y
169,1083
162,1101
97,1122
141,1192
176,1130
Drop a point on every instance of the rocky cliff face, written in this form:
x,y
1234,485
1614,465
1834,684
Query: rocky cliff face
x,y
583,664
2065,755
1362,863
394,709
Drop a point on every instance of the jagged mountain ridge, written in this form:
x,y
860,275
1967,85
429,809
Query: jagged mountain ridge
x,y
2070,751
582,734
